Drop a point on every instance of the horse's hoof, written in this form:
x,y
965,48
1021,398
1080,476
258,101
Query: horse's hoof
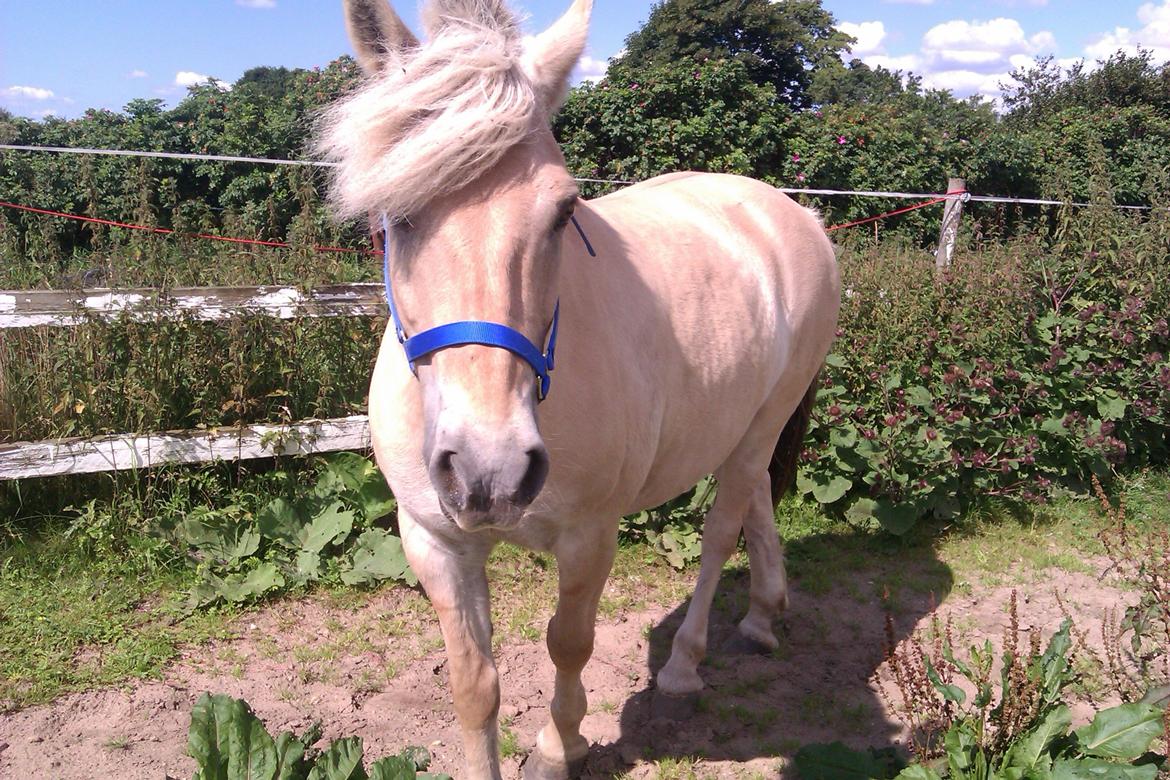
x,y
746,645
669,707
537,768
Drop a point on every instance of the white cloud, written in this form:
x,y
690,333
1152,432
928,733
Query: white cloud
x,y
589,69
871,37
907,63
964,56
136,74
257,3
29,93
189,78
1154,34
983,47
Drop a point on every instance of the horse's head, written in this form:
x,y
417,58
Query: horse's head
x,y
449,141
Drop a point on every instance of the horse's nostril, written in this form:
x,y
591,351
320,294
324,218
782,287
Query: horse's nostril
x,y
534,477
444,477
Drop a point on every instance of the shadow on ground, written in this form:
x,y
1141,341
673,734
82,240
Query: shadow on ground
x,y
816,688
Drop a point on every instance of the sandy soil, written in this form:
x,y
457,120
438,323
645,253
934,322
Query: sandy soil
x,y
377,670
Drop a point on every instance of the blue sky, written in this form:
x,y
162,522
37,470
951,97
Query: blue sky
x,y
63,56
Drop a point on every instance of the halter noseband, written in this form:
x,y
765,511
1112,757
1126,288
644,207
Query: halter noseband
x,y
490,334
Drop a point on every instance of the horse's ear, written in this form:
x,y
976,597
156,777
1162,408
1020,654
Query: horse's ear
x,y
551,56
376,32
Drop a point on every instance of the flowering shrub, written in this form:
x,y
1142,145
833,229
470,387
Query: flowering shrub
x,y
1029,367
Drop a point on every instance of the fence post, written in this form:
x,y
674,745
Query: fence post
x,y
950,224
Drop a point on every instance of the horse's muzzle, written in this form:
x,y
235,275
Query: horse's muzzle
x,y
479,493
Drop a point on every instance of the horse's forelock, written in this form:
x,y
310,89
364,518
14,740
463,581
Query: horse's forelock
x,y
434,119
491,15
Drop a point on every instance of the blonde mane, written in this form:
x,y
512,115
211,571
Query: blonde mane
x,y
434,118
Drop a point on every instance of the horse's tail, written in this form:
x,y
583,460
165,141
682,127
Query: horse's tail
x,y
782,469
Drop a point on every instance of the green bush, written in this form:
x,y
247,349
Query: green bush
x,y
1028,367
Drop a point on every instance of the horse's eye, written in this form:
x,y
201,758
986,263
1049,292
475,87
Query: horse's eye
x,y
563,220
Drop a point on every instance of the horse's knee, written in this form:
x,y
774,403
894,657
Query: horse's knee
x,y
569,648
475,687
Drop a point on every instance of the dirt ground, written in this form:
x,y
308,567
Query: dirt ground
x,y
376,668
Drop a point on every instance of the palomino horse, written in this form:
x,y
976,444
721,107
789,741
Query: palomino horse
x,y
687,339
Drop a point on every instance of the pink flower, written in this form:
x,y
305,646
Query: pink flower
x,y
800,177
842,139
795,158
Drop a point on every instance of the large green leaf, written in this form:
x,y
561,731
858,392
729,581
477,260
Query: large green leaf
x,y
1054,669
238,588
331,523
1111,406
1098,769
342,760
835,761
1124,732
962,748
228,742
221,540
288,525
280,520
827,490
897,518
918,772
378,555
1030,751
290,754
364,483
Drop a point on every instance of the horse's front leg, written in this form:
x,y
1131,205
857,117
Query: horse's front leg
x,y
456,583
583,563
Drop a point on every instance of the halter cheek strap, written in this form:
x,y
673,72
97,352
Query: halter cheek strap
x,y
454,334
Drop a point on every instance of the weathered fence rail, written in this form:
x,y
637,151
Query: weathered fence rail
x,y
22,460
31,308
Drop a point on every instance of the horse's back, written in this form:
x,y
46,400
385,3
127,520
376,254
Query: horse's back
x,y
734,256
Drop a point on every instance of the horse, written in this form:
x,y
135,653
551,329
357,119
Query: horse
x,y
684,320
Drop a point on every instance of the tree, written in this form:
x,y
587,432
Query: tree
x,y
857,83
699,116
273,83
1120,81
782,44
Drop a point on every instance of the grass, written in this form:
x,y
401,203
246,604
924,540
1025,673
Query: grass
x,y
509,741
69,623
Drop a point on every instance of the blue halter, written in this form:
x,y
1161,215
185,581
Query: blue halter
x,y
490,334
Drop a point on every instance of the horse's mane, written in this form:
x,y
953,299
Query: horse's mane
x,y
435,117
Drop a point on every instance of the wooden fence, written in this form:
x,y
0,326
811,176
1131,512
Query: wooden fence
x,y
26,308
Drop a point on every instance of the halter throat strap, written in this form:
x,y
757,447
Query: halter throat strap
x,y
454,334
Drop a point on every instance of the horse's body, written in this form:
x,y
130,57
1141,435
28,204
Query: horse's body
x,y
684,347
673,339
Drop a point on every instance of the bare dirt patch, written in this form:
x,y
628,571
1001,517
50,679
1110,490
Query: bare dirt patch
x,y
375,667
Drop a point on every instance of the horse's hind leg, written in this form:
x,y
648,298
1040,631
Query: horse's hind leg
x,y
769,588
736,495
743,501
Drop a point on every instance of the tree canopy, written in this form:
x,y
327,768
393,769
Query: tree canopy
x,y
782,44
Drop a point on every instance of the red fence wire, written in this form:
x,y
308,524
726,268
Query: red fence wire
x,y
170,232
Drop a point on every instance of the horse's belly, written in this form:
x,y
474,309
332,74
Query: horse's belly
x,y
705,419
